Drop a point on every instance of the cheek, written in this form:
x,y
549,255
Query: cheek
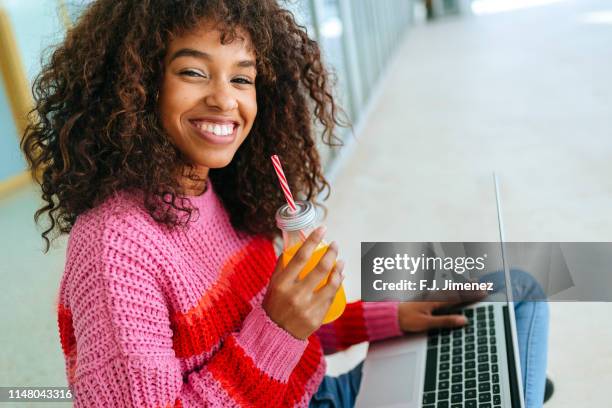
x,y
172,104
175,97
165,112
167,107
249,111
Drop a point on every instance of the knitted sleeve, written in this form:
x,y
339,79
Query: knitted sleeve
x,y
361,321
117,338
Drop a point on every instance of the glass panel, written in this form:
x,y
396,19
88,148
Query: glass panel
x,y
362,46
331,31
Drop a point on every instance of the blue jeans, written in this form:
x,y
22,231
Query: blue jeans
x,y
532,333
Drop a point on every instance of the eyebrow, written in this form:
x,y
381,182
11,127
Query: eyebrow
x,y
190,52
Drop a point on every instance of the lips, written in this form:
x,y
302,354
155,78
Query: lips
x,y
215,131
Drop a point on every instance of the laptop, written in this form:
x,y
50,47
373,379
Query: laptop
x,y
474,366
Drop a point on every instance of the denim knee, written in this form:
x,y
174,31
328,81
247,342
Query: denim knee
x,y
525,287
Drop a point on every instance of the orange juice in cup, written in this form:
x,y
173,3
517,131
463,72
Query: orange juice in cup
x,y
296,225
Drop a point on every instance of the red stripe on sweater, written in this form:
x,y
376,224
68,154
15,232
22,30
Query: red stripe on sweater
x,y
256,388
67,339
351,328
64,320
223,307
303,372
246,384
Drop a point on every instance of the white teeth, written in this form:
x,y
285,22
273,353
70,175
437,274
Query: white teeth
x,y
219,130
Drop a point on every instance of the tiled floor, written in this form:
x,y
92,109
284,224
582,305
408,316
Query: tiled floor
x,y
526,93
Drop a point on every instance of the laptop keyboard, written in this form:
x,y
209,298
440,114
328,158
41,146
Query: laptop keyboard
x,y
462,369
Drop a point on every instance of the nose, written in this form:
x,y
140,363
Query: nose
x,y
221,97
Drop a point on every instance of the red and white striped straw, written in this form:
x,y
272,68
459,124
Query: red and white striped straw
x,y
285,186
283,182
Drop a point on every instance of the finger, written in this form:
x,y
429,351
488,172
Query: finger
x,y
328,291
322,269
445,321
302,256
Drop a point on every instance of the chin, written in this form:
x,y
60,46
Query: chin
x,y
216,162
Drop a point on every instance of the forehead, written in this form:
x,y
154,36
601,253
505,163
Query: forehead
x,y
208,37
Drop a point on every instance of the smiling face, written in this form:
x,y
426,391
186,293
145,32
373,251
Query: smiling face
x,y
207,99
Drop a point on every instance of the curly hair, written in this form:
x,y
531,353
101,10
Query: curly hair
x,y
95,130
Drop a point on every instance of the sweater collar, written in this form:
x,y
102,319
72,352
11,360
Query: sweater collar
x,y
205,202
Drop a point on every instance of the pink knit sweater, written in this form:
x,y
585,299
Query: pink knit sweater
x,y
151,316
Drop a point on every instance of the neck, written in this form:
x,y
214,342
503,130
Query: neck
x,y
195,182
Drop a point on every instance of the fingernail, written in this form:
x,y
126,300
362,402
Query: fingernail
x,y
462,320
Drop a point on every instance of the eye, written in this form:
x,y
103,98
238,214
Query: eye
x,y
242,81
192,73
